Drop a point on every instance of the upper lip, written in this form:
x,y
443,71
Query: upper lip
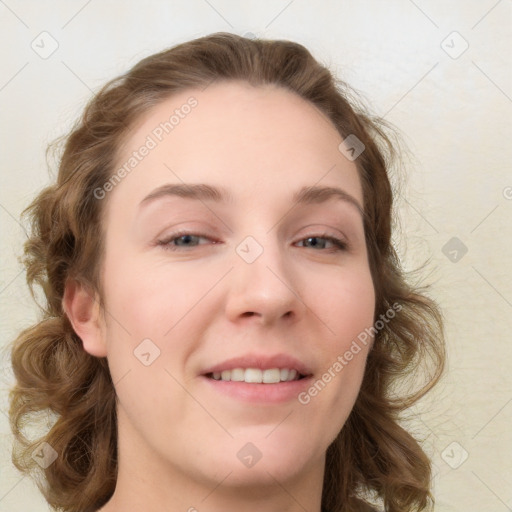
x,y
261,361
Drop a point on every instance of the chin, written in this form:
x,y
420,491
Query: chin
x,y
263,461
260,476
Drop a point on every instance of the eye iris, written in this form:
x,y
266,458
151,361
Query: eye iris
x,y
185,238
189,240
315,240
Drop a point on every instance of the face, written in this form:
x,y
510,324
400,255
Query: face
x,y
256,276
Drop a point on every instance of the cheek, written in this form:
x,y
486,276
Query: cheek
x,y
149,300
349,306
146,317
348,310
157,311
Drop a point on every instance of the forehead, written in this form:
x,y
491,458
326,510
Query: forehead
x,y
225,107
232,133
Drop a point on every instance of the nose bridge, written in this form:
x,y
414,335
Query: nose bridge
x,y
262,280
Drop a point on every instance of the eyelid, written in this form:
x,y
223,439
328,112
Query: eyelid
x,y
340,242
165,242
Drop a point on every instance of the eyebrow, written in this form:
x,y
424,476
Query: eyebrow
x,y
204,192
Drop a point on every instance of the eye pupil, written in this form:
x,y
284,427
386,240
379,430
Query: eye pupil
x,y
185,238
322,242
190,240
315,240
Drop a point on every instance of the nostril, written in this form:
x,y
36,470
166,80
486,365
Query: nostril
x,y
249,313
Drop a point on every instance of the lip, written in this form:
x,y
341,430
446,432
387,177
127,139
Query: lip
x,y
261,361
259,393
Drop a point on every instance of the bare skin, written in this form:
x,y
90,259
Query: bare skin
x,y
180,437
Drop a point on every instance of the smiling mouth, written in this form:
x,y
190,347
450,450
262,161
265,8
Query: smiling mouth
x,y
257,376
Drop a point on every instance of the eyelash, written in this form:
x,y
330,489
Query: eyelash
x,y
339,245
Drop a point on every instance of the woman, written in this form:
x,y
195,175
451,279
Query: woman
x,y
226,316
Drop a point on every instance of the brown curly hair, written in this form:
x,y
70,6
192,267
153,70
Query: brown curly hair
x,y
372,454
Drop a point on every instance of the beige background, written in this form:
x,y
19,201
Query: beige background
x,y
453,108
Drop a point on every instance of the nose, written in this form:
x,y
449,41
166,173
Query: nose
x,y
264,290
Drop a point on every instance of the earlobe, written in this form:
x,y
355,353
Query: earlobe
x,y
82,308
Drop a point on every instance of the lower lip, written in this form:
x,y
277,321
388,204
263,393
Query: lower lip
x,y
260,393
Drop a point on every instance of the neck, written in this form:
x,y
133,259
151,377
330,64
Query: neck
x,y
148,482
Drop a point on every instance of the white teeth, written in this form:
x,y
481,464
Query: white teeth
x,y
237,375
253,375
271,376
257,376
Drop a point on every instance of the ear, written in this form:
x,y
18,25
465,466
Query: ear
x,y
82,307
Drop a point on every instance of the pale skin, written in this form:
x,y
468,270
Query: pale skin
x,y
203,303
